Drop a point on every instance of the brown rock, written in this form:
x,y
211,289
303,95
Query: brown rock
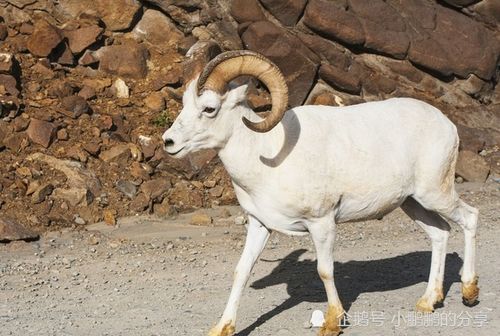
x,y
44,39
140,203
88,58
216,191
156,188
164,209
8,85
74,196
87,92
41,132
20,124
93,148
16,142
41,193
451,43
471,139
156,28
12,231
273,42
338,78
82,38
118,153
117,14
77,176
384,27
128,60
328,51
63,55
472,167
138,171
155,102
127,188
78,154
197,57
3,31
327,19
247,11
287,12
60,89
75,106
62,135
184,197
201,219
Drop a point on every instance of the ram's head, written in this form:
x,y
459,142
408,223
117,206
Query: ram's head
x,y
209,105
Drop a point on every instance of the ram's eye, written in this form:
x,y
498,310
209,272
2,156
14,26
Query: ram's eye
x,y
209,110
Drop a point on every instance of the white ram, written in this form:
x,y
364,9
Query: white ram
x,y
321,166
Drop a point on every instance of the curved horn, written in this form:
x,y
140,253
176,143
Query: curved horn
x,y
231,64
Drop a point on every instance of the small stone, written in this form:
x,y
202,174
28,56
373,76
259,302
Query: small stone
x,y
127,188
155,189
79,220
317,319
41,193
155,102
201,219
109,217
140,203
216,191
87,92
82,38
41,132
75,105
20,124
44,39
121,89
62,135
472,167
240,220
118,153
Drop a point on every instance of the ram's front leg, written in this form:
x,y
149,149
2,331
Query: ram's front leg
x,y
257,236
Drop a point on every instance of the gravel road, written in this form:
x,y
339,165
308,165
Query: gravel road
x,y
165,277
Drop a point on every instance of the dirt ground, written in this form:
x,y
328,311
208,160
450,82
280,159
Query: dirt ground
x,y
165,277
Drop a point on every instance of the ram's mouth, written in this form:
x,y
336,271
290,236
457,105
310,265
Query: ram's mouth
x,y
176,152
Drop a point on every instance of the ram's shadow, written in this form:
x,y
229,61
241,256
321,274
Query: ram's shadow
x,y
351,279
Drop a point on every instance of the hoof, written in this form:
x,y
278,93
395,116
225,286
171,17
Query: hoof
x,y
470,292
424,306
331,327
329,332
227,330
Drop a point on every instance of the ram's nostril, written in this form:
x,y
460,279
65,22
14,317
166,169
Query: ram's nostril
x,y
168,142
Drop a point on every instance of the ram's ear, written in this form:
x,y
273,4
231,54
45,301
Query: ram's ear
x,y
236,96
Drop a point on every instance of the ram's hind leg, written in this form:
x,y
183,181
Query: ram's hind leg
x,y
438,231
452,208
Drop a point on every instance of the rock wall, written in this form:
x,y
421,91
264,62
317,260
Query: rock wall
x,y
88,87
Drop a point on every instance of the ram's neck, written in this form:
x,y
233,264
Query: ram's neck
x,y
241,155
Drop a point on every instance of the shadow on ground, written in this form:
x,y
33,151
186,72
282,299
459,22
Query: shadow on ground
x,y
351,279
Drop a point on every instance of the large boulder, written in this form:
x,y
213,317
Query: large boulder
x,y
274,42
384,28
247,11
328,19
287,12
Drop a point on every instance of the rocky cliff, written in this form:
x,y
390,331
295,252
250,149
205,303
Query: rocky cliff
x,y
88,87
